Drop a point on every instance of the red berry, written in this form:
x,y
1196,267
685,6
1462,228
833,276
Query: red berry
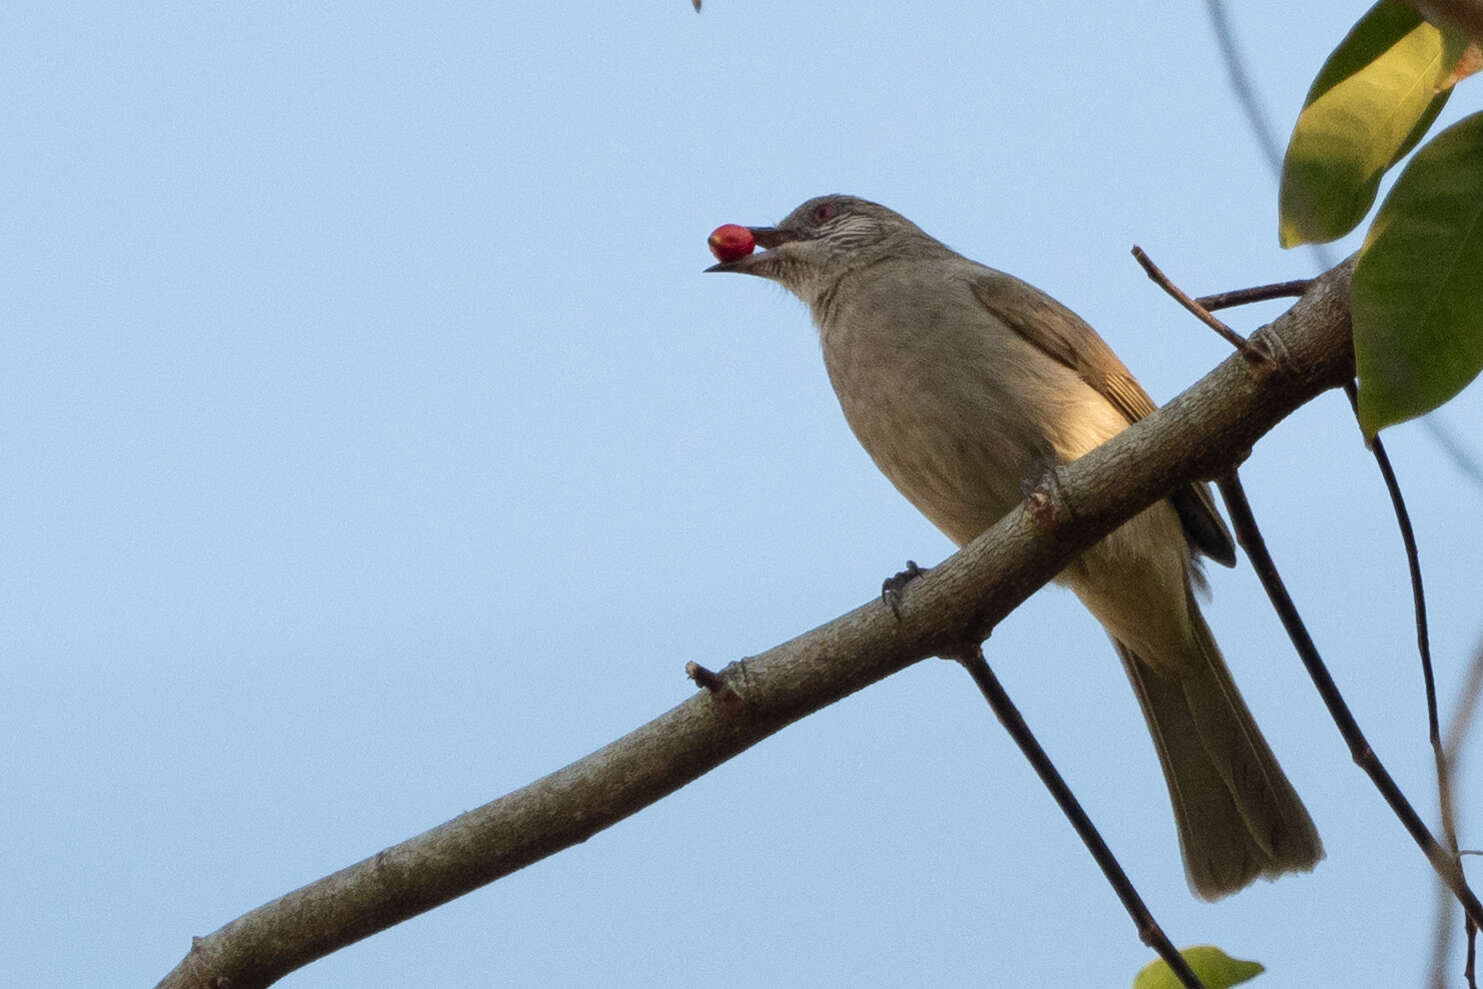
x,y
731,241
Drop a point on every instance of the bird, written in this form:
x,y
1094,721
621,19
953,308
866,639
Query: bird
x,y
963,382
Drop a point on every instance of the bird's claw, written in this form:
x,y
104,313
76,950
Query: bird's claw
x,y
892,587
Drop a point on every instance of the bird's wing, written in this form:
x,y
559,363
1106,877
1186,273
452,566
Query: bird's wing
x,y
1066,338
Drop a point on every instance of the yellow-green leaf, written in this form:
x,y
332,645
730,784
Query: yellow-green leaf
x,y
1417,299
1215,968
1372,101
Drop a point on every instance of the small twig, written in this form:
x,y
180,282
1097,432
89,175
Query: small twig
x,y
1250,538
1175,292
972,659
1418,593
1246,94
722,691
1457,730
1242,85
1418,600
1428,677
1460,723
1259,293
704,677
1462,459
1440,751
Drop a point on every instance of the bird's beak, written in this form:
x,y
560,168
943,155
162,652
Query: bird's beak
x,y
772,236
755,264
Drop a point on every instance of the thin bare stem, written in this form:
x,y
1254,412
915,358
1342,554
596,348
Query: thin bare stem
x,y
1242,85
1440,755
1461,457
1175,292
1418,598
972,659
1250,538
1245,92
1457,730
1259,293
1461,721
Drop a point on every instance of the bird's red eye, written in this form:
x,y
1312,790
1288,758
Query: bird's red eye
x,y
823,212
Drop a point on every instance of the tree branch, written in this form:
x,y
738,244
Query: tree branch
x,y
1201,434
1149,931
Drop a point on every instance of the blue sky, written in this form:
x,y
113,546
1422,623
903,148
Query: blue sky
x,y
375,445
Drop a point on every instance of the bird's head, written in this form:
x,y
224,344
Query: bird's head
x,y
824,239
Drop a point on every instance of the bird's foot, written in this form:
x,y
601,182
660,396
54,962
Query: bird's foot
x,y
892,587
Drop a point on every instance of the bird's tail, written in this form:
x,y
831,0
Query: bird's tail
x,y
1237,814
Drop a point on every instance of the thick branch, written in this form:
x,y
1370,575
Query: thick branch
x,y
1203,433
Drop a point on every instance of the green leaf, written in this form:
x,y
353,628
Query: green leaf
x,y
1417,298
1372,101
1215,968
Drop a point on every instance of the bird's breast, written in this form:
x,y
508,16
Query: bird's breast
x,y
955,408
